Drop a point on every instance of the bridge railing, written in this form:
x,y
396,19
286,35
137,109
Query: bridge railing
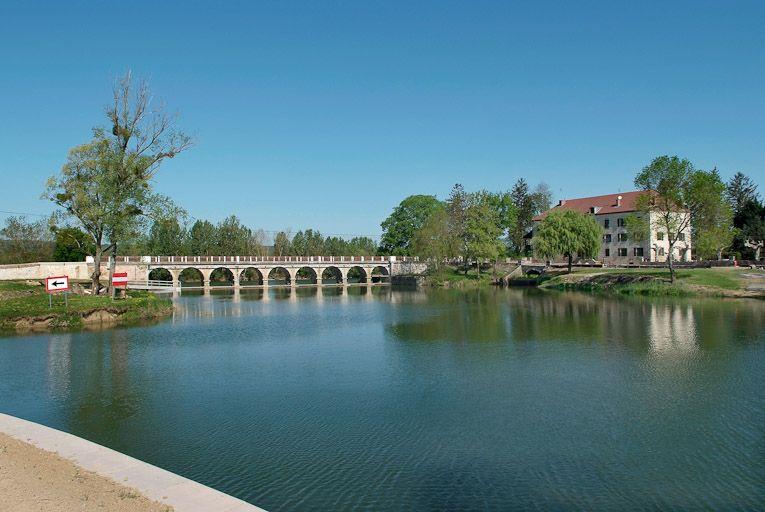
x,y
258,259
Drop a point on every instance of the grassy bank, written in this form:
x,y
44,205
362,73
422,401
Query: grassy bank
x,y
717,282
24,307
452,277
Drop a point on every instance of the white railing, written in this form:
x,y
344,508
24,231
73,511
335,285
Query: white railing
x,y
152,284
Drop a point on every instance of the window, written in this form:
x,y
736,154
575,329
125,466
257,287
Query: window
x,y
660,235
622,237
608,253
661,251
606,223
620,222
637,251
607,238
681,237
622,251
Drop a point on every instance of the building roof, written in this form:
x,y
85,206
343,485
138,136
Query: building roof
x,y
621,202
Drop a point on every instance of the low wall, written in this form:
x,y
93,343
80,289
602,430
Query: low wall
x,y
76,270
408,268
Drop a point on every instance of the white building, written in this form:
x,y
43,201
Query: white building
x,y
611,212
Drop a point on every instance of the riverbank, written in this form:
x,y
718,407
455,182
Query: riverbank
x,y
24,307
42,468
32,479
703,282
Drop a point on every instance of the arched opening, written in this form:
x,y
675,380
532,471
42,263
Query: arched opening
x,y
357,275
305,275
191,277
279,276
221,276
160,274
331,275
380,275
250,277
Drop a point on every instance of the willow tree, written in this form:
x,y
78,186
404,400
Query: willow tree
x,y
568,233
106,183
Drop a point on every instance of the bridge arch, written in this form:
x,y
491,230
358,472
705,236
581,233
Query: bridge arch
x,y
221,276
160,274
280,275
306,275
380,274
356,275
251,276
332,275
191,276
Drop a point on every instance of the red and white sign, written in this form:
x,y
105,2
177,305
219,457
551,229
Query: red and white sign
x,y
56,284
119,280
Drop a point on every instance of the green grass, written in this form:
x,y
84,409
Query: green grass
x,y
698,281
22,301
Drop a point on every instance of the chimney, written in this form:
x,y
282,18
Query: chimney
x,y
618,201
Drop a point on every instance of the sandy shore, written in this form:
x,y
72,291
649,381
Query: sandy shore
x,y
34,480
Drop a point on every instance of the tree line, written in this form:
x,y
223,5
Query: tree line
x,y
469,226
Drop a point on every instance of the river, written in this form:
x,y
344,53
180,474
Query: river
x,y
379,399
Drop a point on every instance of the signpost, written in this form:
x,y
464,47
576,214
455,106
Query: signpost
x,y
120,280
57,284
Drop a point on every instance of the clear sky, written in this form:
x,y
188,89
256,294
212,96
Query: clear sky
x,y
327,114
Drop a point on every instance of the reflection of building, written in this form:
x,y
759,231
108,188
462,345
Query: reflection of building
x,y
671,327
611,212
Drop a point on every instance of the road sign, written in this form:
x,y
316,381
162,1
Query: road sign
x,y
119,280
57,284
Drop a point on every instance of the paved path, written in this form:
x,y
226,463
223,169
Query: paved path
x,y
157,484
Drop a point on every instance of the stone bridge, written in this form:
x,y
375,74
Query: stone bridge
x,y
265,271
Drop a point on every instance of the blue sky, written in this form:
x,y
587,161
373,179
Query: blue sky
x,y
327,114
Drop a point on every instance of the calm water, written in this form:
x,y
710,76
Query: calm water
x,y
380,400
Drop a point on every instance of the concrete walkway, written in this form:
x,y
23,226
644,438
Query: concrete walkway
x,y
157,484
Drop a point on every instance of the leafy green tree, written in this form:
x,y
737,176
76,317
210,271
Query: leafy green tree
x,y
527,204
482,230
740,191
167,238
435,239
751,225
233,237
362,246
203,238
24,241
71,244
106,184
335,246
568,233
456,208
298,246
674,192
401,224
712,222
282,243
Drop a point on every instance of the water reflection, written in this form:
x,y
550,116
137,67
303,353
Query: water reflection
x,y
317,399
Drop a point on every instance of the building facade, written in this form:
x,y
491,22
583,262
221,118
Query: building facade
x,y
611,212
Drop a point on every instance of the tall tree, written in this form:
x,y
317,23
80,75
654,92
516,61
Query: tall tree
x,y
24,241
751,224
233,237
106,183
712,222
674,192
568,233
203,238
401,224
456,207
167,238
740,191
282,243
482,230
435,239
